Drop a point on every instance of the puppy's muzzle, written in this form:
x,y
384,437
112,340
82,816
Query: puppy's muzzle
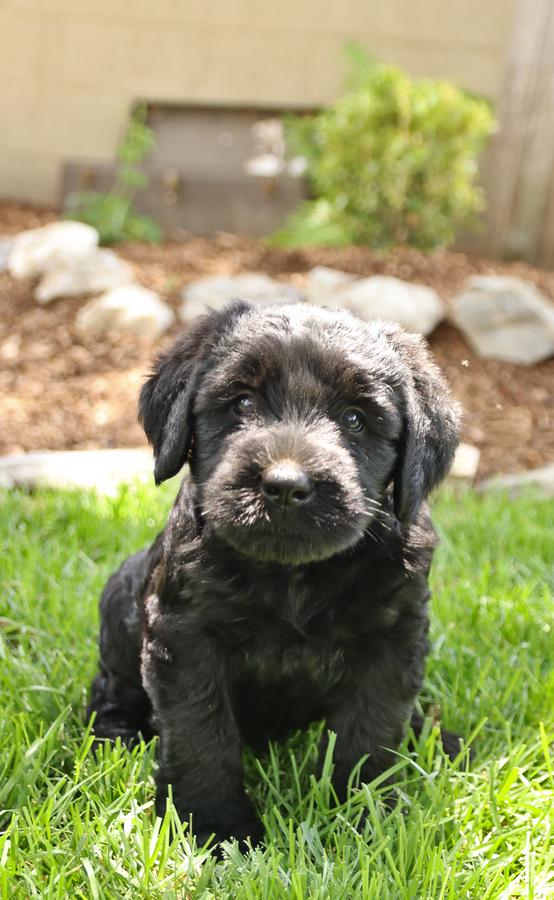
x,y
286,484
287,493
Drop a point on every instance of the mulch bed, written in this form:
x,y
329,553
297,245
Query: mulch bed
x,y
60,391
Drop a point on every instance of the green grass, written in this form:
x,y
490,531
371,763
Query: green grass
x,y
75,825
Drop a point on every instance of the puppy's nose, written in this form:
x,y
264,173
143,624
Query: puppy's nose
x,y
286,484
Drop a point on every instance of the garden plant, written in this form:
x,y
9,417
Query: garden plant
x,y
112,212
393,161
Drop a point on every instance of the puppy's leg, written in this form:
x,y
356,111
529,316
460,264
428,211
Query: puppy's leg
x,y
200,752
372,716
121,706
122,709
451,742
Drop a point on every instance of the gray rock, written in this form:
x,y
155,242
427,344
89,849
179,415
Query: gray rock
x,y
131,308
213,293
323,283
505,318
6,246
541,479
40,249
466,462
414,306
102,270
100,469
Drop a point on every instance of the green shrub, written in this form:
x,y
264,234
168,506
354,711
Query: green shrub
x,y
112,213
393,161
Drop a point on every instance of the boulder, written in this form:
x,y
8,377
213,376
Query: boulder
x,y
40,249
213,293
540,479
466,462
323,283
505,318
100,469
131,308
414,306
101,271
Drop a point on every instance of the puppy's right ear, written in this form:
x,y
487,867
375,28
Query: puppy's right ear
x,y
431,424
166,399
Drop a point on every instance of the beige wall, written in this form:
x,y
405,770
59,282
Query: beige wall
x,y
70,69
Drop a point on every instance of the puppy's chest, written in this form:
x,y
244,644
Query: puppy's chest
x,y
292,635
294,671
277,654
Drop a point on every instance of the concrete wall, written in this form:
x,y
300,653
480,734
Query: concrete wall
x,y
70,69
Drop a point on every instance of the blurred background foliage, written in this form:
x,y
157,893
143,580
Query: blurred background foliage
x,y
393,161
111,212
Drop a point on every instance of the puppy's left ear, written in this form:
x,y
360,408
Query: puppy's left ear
x,y
166,399
431,427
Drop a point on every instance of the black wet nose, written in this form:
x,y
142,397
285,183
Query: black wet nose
x,y
286,484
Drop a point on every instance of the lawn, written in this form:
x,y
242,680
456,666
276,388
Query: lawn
x,y
77,825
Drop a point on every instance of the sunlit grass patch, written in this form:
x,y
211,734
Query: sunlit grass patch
x,y
74,823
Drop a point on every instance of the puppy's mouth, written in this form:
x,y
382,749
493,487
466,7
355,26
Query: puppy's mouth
x,y
306,525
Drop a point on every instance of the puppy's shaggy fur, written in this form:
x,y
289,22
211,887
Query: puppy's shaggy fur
x,y
290,583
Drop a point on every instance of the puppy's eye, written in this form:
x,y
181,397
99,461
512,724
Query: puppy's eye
x,y
352,420
244,405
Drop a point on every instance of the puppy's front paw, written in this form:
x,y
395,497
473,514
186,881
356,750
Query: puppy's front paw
x,y
248,833
451,743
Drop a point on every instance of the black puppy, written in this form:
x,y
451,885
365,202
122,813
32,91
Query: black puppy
x,y
290,583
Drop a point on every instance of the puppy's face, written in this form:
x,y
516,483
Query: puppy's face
x,y
295,436
297,421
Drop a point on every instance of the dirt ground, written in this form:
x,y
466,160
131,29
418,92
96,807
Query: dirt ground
x,y
60,391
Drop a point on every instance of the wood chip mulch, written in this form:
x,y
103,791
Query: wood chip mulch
x,y
61,391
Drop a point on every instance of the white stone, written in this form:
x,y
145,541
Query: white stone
x,y
505,318
297,166
40,249
100,469
323,283
267,165
466,462
100,271
541,479
213,293
6,247
414,306
132,309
